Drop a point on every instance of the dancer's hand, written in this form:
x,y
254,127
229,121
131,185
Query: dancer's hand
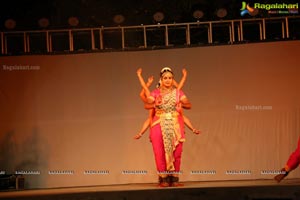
x,y
150,81
137,136
179,107
184,72
196,131
158,100
139,71
281,176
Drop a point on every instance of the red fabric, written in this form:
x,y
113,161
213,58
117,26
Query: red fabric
x,y
294,158
159,152
157,138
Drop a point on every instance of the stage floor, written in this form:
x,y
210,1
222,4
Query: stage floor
x,y
242,189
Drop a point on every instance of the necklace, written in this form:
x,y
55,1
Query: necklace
x,y
166,90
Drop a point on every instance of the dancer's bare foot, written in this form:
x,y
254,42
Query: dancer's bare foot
x,y
163,182
174,182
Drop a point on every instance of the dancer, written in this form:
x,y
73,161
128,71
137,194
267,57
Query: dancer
x,y
292,163
146,124
167,133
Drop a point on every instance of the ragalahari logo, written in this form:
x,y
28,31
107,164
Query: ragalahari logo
x,y
270,8
246,9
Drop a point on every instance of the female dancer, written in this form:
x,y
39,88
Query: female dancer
x,y
167,134
146,124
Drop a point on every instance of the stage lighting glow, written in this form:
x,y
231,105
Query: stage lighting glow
x,y
221,12
43,22
158,16
119,19
198,14
73,21
10,24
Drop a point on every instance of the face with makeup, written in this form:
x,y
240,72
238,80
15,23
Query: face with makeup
x,y
167,79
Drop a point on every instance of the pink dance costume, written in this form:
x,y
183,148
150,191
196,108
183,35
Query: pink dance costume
x,y
167,132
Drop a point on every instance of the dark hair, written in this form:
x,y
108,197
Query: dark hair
x,y
164,70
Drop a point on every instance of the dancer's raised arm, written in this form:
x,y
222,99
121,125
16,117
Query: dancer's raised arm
x,y
142,82
183,79
142,93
